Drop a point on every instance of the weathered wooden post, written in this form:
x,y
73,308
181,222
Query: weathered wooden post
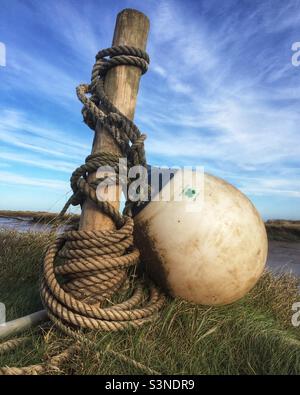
x,y
121,87
94,268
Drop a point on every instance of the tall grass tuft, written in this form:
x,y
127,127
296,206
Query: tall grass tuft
x,y
251,336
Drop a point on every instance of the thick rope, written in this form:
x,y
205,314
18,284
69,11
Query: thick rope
x,y
94,265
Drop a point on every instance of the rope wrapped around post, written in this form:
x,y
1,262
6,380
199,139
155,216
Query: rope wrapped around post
x,y
84,269
95,263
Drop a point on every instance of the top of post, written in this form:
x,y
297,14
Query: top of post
x,y
132,28
133,12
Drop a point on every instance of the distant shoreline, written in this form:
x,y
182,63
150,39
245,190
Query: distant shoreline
x,y
283,230
279,229
38,216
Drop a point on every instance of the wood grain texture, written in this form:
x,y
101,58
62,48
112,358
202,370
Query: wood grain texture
x,y
121,86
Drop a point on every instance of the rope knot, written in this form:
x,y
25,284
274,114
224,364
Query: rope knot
x,y
96,264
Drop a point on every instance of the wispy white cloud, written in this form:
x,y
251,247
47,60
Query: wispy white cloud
x,y
18,130
244,120
34,75
76,27
36,161
16,179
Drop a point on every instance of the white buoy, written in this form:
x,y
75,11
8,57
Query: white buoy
x,y
212,254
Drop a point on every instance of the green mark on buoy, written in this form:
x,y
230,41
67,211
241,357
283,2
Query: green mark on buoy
x,y
190,192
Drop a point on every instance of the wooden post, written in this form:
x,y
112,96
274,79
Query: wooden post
x,y
121,86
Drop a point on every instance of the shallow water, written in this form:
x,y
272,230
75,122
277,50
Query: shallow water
x,y
24,224
283,256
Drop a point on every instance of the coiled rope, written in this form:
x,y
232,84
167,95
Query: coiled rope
x,y
77,293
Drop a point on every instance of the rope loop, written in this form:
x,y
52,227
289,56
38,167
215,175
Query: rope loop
x,y
83,270
96,264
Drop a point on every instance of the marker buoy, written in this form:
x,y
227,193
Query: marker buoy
x,y
208,251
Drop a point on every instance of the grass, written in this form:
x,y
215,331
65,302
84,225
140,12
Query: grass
x,y
252,336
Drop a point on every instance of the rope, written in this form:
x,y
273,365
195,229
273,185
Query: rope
x,y
77,293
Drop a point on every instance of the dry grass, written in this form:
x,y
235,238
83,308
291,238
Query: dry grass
x,y
252,336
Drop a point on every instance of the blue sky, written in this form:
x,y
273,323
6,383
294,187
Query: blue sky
x,y
221,92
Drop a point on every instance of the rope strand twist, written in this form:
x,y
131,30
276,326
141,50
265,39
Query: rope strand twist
x,y
94,265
